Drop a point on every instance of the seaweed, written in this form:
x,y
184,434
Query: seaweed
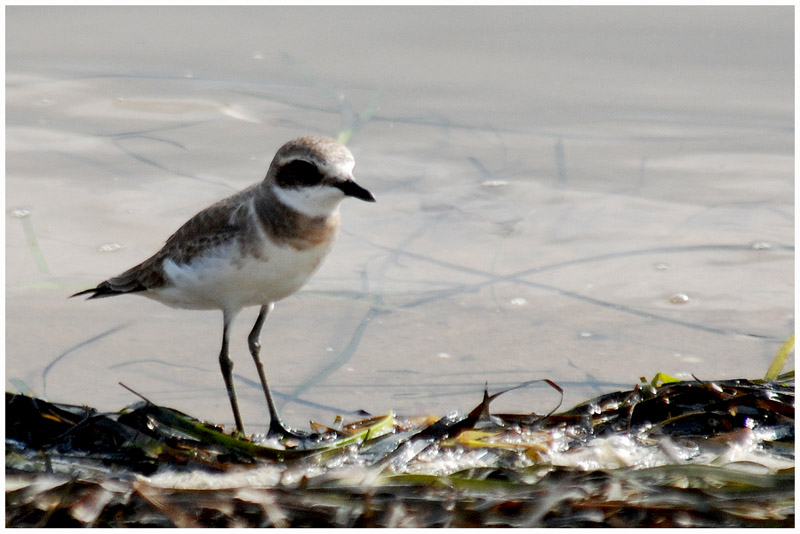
x,y
665,453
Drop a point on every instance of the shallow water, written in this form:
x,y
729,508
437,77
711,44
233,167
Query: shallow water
x,y
550,183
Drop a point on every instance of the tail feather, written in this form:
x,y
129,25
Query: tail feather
x,y
106,289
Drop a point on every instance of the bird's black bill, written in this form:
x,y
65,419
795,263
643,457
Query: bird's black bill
x,y
352,189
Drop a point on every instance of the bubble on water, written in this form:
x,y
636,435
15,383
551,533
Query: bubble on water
x,y
761,245
20,213
679,298
443,355
494,183
519,301
109,247
662,266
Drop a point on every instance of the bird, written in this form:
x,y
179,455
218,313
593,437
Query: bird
x,y
253,248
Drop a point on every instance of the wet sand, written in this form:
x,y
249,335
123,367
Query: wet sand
x,y
550,183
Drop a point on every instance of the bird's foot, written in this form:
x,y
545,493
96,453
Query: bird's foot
x,y
278,429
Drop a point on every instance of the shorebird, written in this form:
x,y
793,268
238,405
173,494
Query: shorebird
x,y
251,249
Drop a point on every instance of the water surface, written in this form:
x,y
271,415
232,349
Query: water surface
x,y
589,195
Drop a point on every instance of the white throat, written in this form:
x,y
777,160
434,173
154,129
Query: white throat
x,y
317,201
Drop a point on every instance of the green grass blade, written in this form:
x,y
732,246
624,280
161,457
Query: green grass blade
x,y
780,359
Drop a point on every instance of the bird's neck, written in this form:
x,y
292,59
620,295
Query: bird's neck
x,y
286,225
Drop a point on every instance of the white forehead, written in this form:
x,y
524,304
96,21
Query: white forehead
x,y
343,167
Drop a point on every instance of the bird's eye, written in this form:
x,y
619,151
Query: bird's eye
x,y
298,173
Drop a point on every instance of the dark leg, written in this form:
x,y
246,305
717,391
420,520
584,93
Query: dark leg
x,y
226,364
276,425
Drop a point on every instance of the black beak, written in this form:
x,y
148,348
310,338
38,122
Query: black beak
x,y
352,189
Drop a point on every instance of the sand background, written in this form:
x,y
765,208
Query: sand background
x,y
550,181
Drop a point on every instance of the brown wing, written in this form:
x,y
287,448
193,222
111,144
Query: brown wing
x,y
214,226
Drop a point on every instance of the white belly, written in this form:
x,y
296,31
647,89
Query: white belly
x,y
224,280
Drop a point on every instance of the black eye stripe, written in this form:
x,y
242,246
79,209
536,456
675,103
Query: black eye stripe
x,y
298,173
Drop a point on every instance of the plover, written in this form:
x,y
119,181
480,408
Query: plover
x,y
251,249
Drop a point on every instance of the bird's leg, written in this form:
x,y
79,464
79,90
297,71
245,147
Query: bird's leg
x,y
276,426
226,364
